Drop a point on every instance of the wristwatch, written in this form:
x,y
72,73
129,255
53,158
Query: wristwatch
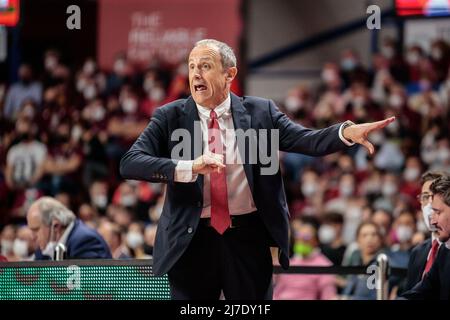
x,y
345,125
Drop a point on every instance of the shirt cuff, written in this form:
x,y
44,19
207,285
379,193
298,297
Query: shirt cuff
x,y
183,171
341,136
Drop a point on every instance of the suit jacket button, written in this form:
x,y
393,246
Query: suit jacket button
x,y
190,230
199,204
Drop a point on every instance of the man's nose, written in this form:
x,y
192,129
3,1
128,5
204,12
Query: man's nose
x,y
197,75
433,219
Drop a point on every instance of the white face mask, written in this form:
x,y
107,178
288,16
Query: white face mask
x,y
327,234
129,105
20,248
89,92
7,246
157,94
50,63
328,75
389,189
128,200
293,104
308,189
404,233
388,51
100,201
412,57
346,190
396,101
411,174
51,245
89,68
134,239
427,211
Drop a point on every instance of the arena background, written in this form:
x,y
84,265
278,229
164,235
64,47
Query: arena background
x,y
73,101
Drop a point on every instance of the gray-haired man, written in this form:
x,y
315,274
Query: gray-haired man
x,y
52,223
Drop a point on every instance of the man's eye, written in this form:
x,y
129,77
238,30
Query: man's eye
x,y
206,66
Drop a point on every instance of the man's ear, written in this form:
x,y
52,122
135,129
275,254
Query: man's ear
x,y
231,74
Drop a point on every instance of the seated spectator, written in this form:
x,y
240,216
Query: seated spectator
x,y
370,243
7,237
52,224
20,92
330,236
24,246
135,241
113,237
306,253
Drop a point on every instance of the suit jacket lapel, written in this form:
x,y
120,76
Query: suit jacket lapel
x,y
242,120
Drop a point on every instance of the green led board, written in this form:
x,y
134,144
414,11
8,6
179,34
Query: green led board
x,y
82,280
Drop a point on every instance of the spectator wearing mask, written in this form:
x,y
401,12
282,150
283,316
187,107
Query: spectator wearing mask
x,y
351,68
306,253
404,228
383,219
113,237
25,160
7,237
330,237
20,92
411,183
423,256
98,194
135,241
52,223
64,161
370,243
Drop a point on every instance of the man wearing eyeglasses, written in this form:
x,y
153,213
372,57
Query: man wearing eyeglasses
x,y
436,282
424,254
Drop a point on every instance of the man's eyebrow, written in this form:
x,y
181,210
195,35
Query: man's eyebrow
x,y
201,59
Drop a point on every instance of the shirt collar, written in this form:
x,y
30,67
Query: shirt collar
x,y
434,237
223,109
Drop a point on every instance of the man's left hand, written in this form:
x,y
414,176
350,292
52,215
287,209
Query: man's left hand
x,y
358,133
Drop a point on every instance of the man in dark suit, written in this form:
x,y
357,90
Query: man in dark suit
x,y
52,224
425,253
225,204
436,283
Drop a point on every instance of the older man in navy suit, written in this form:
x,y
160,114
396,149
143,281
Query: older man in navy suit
x,y
52,224
225,204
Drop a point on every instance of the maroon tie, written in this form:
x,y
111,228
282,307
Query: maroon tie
x,y
433,253
220,215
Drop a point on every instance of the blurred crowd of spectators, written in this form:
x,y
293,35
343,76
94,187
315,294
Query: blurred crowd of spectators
x,y
63,131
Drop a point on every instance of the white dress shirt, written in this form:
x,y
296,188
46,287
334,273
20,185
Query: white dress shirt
x,y
240,198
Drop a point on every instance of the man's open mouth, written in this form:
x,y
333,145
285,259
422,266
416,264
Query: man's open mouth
x,y
199,87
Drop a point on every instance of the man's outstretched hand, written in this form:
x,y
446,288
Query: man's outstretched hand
x,y
358,133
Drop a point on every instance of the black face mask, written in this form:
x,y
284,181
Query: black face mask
x,y
25,81
61,139
25,136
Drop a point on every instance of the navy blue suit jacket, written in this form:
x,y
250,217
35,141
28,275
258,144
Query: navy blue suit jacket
x,y
150,159
436,283
417,262
83,243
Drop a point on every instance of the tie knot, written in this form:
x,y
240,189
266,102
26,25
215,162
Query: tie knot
x,y
213,115
435,243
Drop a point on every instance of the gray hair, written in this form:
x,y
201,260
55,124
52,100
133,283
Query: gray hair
x,y
226,53
51,209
